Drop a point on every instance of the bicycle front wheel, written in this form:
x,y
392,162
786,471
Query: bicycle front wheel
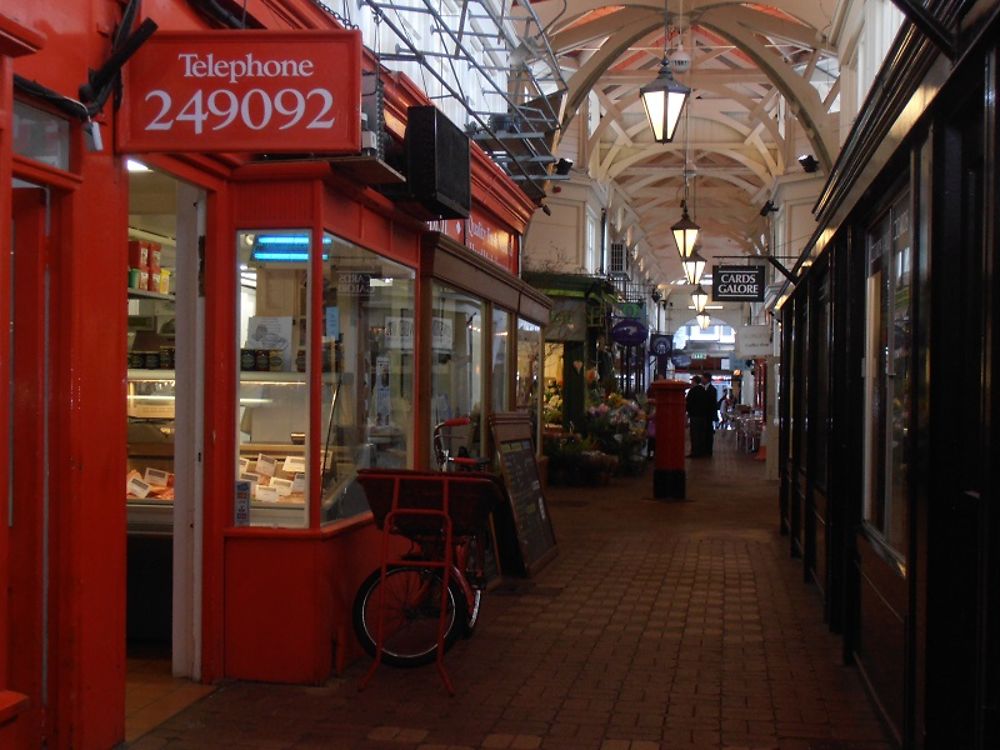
x,y
410,599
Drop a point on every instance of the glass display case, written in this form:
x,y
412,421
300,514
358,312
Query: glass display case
x,y
149,482
273,411
365,387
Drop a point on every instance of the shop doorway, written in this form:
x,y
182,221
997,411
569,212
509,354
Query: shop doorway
x,y
29,511
164,406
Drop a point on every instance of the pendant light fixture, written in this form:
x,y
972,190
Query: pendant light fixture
x,y
700,298
686,231
664,97
694,267
704,320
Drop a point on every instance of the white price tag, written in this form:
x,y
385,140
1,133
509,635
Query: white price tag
x,y
299,483
266,494
282,486
137,487
249,476
266,465
157,477
294,464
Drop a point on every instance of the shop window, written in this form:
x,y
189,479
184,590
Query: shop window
x,y
529,362
500,352
273,411
365,389
821,435
888,375
368,356
457,369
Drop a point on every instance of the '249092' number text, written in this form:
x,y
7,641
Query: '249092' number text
x,y
255,109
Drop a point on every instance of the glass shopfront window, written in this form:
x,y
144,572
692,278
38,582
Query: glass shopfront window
x,y
368,356
273,410
500,352
456,372
365,389
529,362
888,375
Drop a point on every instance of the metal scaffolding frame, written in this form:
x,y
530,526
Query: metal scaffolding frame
x,y
519,132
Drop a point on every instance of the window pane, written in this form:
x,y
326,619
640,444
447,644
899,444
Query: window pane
x,y
273,409
41,136
900,382
367,392
456,368
888,375
529,348
501,356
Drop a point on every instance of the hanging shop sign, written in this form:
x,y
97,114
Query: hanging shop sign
x,y
244,91
661,344
629,332
738,283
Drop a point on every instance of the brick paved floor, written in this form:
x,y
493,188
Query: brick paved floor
x,y
660,625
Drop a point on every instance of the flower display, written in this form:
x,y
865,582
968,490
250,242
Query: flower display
x,y
552,405
617,426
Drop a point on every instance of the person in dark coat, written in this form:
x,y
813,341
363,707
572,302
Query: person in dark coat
x,y
711,413
694,404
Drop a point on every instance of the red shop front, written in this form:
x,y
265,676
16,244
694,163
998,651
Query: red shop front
x,y
195,321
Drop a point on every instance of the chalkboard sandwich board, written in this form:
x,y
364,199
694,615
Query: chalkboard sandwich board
x,y
525,537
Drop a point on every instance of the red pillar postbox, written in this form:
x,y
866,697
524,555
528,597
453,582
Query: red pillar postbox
x,y
669,474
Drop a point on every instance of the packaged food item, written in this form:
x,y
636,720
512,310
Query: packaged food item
x,y
151,360
248,359
277,363
300,360
262,360
164,281
136,360
154,281
138,254
154,257
133,278
143,279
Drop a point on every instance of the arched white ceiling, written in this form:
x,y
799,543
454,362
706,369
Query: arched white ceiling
x,y
753,104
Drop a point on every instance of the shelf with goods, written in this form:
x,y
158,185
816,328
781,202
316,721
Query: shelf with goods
x,y
145,294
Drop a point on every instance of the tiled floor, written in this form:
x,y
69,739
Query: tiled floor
x,y
677,625
153,695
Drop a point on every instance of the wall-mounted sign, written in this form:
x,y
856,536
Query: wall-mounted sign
x,y
754,341
484,236
629,332
568,320
738,283
258,91
490,240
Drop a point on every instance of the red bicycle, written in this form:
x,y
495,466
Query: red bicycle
x,y
414,607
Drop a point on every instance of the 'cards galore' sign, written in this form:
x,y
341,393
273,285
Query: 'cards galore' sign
x,y
738,284
244,91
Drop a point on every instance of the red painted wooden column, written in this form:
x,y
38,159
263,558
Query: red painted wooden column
x,y
669,474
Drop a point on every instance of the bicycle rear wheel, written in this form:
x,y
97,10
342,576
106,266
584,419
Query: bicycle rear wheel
x,y
411,603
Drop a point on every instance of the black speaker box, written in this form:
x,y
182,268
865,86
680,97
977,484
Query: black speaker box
x,y
437,163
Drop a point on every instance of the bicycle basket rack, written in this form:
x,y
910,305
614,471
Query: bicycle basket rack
x,y
423,505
